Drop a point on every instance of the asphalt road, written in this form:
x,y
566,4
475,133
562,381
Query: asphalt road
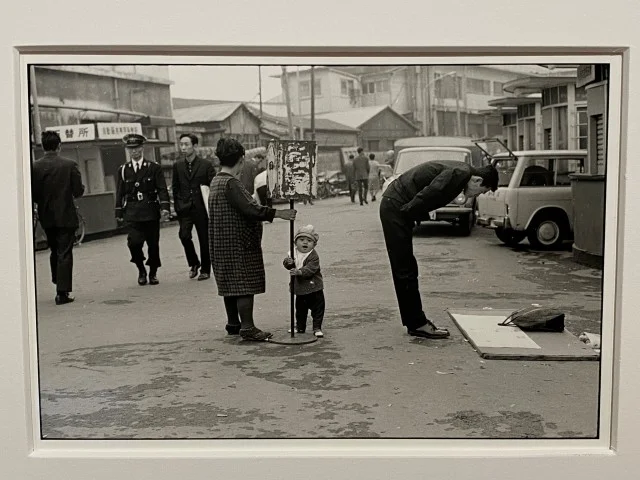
x,y
125,361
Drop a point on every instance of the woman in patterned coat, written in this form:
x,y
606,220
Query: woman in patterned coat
x,y
235,236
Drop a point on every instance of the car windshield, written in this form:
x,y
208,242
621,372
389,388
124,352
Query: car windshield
x,y
408,160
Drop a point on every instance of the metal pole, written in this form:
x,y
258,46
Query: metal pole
x,y
285,88
260,87
37,128
291,246
457,86
465,105
313,106
300,124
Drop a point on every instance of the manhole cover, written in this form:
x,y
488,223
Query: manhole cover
x,y
117,302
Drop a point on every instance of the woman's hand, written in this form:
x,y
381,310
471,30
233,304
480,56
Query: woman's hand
x,y
288,214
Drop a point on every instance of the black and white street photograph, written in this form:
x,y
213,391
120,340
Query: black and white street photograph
x,y
319,251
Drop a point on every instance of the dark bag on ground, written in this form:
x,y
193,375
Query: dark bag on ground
x,y
538,319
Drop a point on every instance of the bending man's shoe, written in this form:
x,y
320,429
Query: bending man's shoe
x,y
429,331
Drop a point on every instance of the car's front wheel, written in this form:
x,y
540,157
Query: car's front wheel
x,y
510,237
547,231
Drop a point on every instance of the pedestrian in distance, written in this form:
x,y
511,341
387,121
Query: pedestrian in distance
x,y
142,200
235,237
189,175
422,189
55,183
349,173
374,176
361,170
306,280
389,158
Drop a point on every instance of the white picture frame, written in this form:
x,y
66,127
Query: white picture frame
x,y
139,31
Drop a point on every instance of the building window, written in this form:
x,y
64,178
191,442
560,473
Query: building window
x,y
582,126
554,96
369,88
526,111
346,86
509,119
305,88
373,145
498,88
479,87
382,86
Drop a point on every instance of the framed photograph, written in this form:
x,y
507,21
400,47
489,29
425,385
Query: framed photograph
x,y
463,261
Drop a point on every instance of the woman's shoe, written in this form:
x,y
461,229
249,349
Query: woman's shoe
x,y
255,334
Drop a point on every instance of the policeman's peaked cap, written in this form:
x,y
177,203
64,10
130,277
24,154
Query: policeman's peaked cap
x,y
133,140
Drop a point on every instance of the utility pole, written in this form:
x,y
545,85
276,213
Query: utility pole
x,y
457,85
300,124
313,105
260,88
285,89
427,112
35,114
464,101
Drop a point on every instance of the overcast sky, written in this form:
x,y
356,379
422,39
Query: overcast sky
x,y
214,82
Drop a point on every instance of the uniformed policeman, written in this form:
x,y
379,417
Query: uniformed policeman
x,y
141,201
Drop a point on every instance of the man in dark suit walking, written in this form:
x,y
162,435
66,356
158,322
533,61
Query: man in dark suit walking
x,y
141,200
55,182
189,174
361,170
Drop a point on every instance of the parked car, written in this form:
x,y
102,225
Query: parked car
x,y
461,211
534,198
332,183
476,148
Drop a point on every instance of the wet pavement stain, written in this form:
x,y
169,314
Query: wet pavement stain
x,y
118,355
502,425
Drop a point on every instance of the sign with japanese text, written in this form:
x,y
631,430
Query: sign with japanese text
x,y
291,169
74,133
115,131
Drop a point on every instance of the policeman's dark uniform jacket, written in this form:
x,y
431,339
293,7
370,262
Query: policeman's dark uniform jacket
x,y
55,182
423,188
190,207
140,196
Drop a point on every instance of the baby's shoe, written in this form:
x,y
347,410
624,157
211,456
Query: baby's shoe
x,y
318,333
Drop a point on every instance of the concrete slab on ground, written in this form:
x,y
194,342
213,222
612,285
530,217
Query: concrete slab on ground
x,y
497,342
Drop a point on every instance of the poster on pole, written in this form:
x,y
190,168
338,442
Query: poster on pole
x,y
291,169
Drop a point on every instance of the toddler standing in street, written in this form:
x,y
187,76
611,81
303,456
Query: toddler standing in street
x,y
306,279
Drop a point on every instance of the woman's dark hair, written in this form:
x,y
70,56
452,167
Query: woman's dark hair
x,y
351,156
229,151
50,141
372,156
489,175
360,149
190,136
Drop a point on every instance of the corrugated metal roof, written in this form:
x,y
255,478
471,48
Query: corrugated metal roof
x,y
355,117
536,70
205,113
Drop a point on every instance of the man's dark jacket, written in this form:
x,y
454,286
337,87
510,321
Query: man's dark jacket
x,y
429,186
55,182
187,196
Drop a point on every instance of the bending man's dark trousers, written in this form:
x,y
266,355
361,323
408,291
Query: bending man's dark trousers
x,y
397,228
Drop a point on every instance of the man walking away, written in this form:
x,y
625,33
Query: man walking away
x,y
189,174
361,173
55,182
349,173
141,199
422,189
